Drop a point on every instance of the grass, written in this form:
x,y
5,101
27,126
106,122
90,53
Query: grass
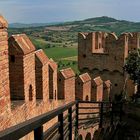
x,y
73,58
59,52
55,50
42,44
64,56
68,63
62,45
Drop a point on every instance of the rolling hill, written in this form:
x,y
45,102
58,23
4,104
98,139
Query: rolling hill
x,y
23,25
92,24
59,40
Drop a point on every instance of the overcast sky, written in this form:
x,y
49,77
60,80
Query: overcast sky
x,y
36,11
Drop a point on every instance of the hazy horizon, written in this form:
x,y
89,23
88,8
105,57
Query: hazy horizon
x,y
66,21
47,11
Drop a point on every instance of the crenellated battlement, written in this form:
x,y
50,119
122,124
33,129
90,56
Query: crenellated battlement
x,y
3,23
97,42
30,83
66,85
83,87
103,54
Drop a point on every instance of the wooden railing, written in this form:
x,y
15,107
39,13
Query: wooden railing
x,y
70,118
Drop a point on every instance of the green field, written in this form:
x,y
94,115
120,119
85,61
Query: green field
x,y
64,56
68,63
60,41
61,56
58,53
55,50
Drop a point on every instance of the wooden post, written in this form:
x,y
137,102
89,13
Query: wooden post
x,y
76,122
121,109
77,106
70,122
112,113
38,133
101,115
61,128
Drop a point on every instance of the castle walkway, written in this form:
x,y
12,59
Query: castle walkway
x,y
72,119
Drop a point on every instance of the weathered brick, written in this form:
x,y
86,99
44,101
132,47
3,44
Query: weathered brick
x,y
103,54
83,87
97,89
66,85
4,68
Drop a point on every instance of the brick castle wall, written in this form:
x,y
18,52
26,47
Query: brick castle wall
x,y
106,91
103,54
97,89
4,76
83,87
66,85
35,84
41,71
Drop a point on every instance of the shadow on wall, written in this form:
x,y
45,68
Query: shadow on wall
x,y
80,137
95,136
88,136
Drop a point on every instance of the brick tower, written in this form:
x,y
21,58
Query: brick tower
x,y
52,80
66,85
83,87
4,68
97,89
22,68
41,70
103,54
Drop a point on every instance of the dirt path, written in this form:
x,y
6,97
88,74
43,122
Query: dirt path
x,y
73,58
